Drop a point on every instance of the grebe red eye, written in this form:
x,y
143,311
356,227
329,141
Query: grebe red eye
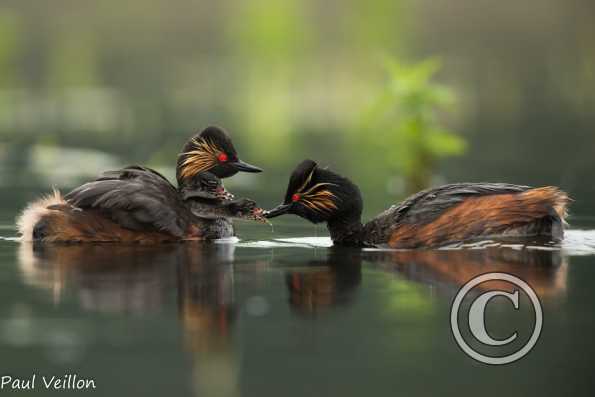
x,y
222,157
295,197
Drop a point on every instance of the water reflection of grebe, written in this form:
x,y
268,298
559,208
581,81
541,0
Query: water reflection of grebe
x,y
207,311
115,278
545,271
325,283
205,295
333,282
138,279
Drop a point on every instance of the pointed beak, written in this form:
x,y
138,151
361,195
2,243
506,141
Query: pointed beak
x,y
245,167
277,211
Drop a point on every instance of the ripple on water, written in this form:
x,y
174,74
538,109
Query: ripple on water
x,y
576,242
579,242
297,242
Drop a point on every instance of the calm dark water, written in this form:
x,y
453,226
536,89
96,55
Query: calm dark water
x,y
290,317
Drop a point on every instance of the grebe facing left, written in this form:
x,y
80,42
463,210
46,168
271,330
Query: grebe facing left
x,y
441,216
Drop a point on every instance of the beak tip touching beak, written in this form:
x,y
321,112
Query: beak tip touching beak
x,y
277,211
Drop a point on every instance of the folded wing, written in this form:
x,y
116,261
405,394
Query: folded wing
x,y
464,211
137,198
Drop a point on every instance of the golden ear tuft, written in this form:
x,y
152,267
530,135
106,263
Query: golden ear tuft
x,y
321,200
200,159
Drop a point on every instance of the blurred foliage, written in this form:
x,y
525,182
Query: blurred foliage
x,y
402,126
292,79
9,45
269,40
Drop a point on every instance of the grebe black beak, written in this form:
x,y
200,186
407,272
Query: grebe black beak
x,y
245,167
277,211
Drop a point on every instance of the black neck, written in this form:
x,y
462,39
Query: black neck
x,y
347,231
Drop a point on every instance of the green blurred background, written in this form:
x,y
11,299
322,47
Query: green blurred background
x,y
397,94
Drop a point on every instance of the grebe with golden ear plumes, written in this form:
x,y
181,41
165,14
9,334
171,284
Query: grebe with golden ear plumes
x,y
138,204
445,215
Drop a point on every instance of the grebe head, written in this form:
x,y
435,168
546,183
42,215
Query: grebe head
x,y
211,150
319,195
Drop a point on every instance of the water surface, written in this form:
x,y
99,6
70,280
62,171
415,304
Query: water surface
x,y
283,314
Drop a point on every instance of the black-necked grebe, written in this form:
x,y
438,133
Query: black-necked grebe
x,y
435,217
138,204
